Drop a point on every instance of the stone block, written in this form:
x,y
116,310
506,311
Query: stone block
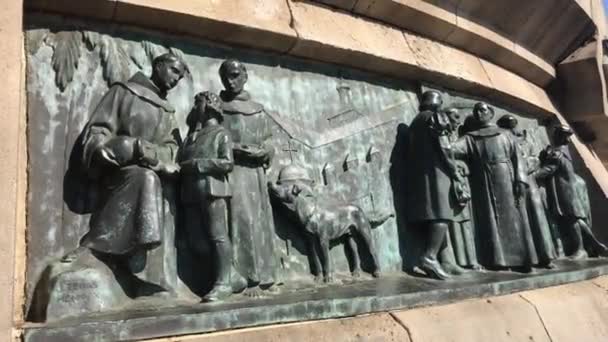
x,y
84,286
598,14
551,30
100,9
508,318
536,68
343,4
431,55
528,94
601,282
587,6
575,312
339,37
12,170
415,15
374,328
469,30
259,23
582,84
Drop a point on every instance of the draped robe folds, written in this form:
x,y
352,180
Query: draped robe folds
x,y
252,223
496,166
566,191
537,213
133,211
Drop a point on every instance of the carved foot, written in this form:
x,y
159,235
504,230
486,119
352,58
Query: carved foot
x,y
477,267
218,293
580,254
318,278
329,279
453,269
548,265
433,269
602,250
527,269
254,292
376,274
272,289
237,282
356,274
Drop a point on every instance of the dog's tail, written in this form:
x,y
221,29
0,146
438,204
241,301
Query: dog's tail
x,y
377,219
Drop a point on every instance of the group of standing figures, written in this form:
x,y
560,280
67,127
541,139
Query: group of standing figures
x,y
132,148
486,176
474,186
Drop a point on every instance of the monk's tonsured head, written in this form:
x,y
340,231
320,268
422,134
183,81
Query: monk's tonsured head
x,y
483,113
431,100
234,76
167,70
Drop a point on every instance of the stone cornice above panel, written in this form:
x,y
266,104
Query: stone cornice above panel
x,y
523,36
313,31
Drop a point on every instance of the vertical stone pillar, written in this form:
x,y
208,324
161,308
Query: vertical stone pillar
x,y
12,166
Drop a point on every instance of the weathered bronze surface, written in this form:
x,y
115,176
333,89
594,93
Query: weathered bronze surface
x,y
166,172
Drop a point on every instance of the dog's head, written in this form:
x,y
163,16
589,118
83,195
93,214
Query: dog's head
x,y
296,198
287,193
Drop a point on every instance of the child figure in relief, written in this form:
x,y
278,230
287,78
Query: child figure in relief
x,y
206,160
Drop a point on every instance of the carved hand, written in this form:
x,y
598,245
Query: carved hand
x,y
520,190
107,157
167,169
145,153
118,151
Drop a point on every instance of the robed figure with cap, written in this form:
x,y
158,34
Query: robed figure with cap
x,y
130,144
567,195
252,223
544,238
498,185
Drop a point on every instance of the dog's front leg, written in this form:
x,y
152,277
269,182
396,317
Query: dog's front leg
x,y
328,275
314,254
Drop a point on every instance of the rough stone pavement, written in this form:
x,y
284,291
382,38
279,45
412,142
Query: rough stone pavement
x,y
572,312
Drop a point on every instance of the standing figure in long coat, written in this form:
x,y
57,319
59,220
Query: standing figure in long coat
x,y
130,145
567,194
537,215
429,180
252,222
498,183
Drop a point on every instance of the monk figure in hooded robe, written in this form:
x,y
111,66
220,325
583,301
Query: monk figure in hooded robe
x,y
498,184
252,223
130,145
